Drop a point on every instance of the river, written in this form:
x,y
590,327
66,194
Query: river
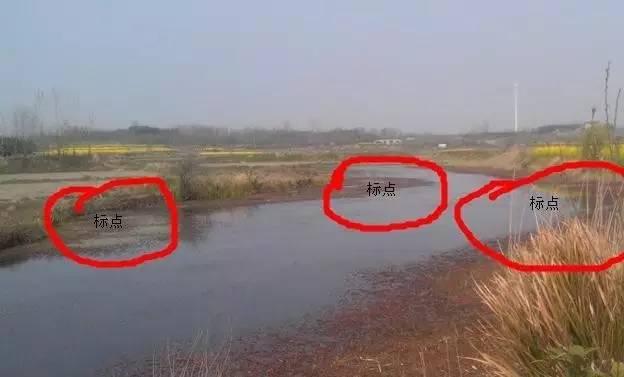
x,y
242,270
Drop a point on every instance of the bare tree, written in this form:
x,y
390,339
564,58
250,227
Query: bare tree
x,y
25,121
606,92
56,98
3,124
617,105
3,129
38,102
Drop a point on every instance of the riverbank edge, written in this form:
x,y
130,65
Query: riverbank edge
x,y
494,172
415,319
29,237
28,233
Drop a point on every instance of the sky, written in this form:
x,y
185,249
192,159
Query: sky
x,y
419,66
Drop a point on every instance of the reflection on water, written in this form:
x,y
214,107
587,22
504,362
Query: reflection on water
x,y
235,271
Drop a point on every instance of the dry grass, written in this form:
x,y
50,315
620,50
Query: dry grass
x,y
194,184
559,324
198,359
495,161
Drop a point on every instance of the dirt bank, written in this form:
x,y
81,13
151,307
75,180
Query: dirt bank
x,y
497,172
500,164
416,320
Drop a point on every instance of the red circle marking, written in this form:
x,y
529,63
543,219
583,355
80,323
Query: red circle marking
x,y
496,188
337,180
86,193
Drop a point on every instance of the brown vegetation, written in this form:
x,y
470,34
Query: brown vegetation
x,y
559,324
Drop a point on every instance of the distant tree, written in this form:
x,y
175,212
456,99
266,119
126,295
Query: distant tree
x,y
138,129
38,102
595,139
390,133
15,146
25,121
606,92
617,105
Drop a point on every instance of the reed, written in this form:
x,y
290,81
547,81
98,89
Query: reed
x,y
560,324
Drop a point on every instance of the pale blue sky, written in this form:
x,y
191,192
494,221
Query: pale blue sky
x,y
433,66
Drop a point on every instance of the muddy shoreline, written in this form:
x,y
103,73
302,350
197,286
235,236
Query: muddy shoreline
x,y
418,319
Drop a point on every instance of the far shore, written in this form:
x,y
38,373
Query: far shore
x,y
41,247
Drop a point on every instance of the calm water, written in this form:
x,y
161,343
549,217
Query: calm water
x,y
235,271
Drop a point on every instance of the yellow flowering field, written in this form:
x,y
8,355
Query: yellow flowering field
x,y
568,151
216,152
110,149
556,150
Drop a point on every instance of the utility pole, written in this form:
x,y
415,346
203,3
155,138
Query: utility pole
x,y
516,107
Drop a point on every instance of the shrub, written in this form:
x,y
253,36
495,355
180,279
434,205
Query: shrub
x,y
14,146
596,140
47,163
186,191
559,324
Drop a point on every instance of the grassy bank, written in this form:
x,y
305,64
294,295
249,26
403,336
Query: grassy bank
x,y
189,180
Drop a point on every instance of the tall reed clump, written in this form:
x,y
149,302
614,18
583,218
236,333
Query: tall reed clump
x,y
555,323
185,187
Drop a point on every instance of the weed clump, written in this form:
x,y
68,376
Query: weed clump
x,y
558,324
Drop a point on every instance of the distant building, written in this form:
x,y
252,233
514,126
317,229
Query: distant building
x,y
594,123
442,145
388,141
